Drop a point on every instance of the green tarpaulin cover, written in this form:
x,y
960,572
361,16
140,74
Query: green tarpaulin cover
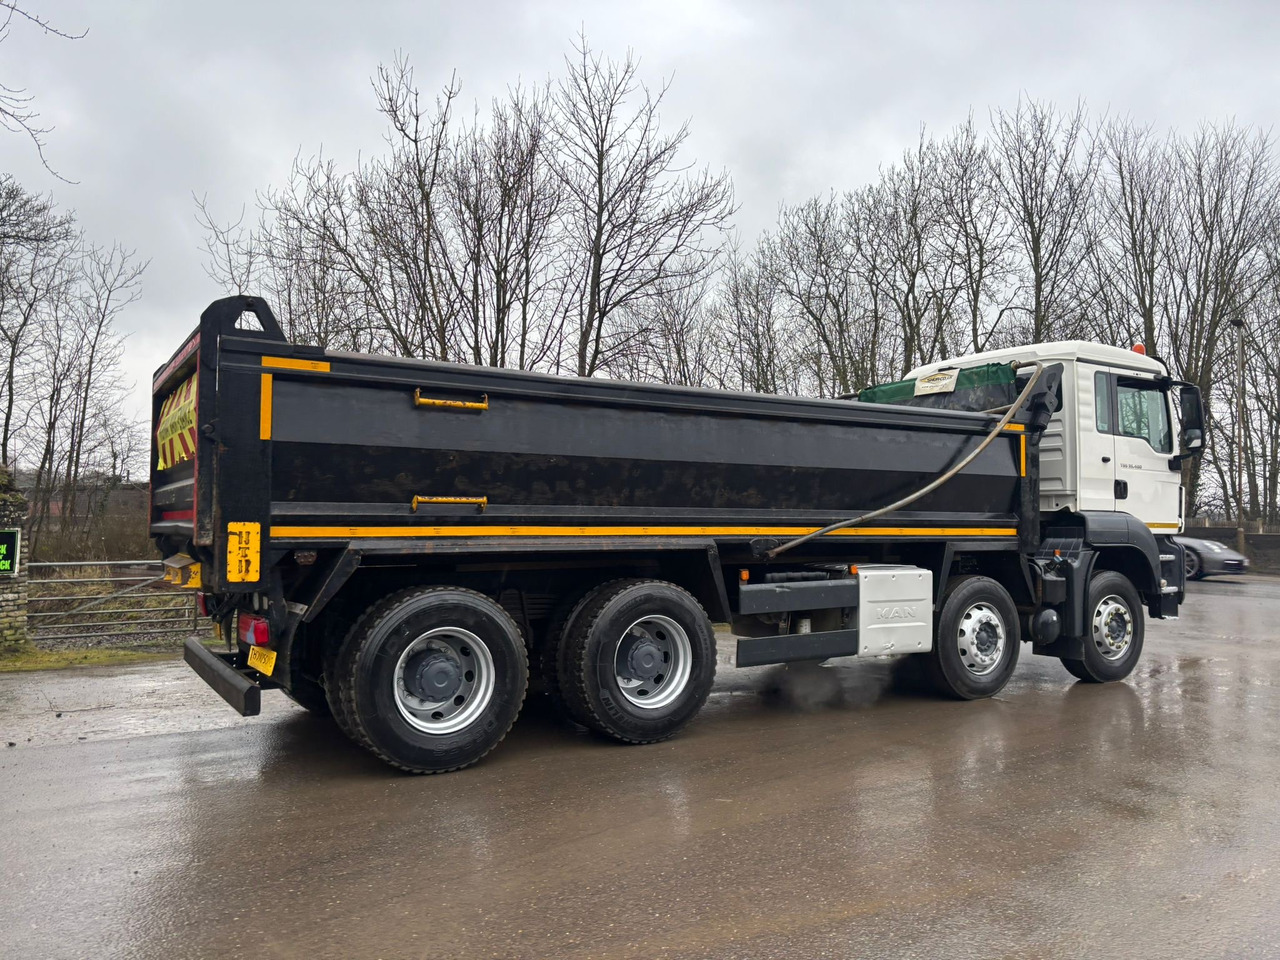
x,y
985,387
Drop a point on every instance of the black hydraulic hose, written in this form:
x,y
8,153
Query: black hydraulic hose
x,y
930,487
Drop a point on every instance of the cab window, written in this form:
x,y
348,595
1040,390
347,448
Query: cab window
x,y
1102,402
1143,413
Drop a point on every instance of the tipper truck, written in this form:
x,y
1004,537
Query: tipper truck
x,y
405,543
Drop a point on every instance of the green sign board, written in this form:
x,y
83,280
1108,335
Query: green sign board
x,y
10,543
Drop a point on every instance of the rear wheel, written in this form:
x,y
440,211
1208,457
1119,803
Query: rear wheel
x,y
1115,630
545,661
976,639
431,678
637,660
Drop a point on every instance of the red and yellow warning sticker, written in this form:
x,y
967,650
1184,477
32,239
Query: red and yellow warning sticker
x,y
176,426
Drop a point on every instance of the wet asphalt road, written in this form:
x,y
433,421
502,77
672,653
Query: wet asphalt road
x,y
1139,819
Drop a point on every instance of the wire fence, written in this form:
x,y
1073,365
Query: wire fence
x,y
106,603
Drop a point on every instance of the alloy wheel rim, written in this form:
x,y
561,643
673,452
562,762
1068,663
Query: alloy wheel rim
x,y
652,662
443,680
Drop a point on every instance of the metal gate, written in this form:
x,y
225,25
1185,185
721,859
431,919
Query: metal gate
x,y
109,603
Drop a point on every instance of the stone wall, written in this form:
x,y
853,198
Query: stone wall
x,y
13,589
1262,549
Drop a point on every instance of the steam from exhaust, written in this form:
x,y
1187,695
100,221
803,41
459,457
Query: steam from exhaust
x,y
811,685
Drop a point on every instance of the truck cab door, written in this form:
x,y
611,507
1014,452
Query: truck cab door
x,y
1146,485
1096,489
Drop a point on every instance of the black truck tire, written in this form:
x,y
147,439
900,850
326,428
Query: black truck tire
x,y
430,679
976,639
333,685
637,660
1115,630
546,658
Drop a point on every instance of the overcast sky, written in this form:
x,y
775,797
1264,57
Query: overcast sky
x,y
163,98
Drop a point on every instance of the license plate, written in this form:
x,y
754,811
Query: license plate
x,y
262,659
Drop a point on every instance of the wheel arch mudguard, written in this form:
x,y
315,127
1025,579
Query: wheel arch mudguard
x,y
1126,545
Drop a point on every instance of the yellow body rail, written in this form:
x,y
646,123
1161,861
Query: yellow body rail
x,y
420,401
480,502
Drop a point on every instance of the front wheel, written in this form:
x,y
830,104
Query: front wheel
x,y
1116,627
431,678
975,642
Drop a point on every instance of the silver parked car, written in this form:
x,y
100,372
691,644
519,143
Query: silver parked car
x,y
1205,558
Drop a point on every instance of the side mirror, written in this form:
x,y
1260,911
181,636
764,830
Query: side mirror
x,y
1192,410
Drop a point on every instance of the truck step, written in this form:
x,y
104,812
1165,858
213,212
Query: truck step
x,y
759,651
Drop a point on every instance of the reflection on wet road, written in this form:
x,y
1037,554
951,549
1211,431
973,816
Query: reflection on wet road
x,y
1058,820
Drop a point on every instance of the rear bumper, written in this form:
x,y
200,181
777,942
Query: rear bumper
x,y
219,672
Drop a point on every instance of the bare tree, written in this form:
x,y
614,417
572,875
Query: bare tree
x,y
36,271
1136,213
25,218
110,282
813,264
383,224
506,199
923,283
17,105
756,351
672,338
232,248
315,299
1046,164
634,218
1224,216
1261,460
975,234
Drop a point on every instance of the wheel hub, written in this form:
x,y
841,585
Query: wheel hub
x,y
981,639
444,680
432,675
1112,628
653,662
986,640
644,659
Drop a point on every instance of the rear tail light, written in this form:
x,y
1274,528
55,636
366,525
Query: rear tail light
x,y
253,630
202,604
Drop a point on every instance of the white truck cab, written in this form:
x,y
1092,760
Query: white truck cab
x,y
1112,445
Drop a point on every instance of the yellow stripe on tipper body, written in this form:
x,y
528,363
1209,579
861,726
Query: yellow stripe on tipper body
x,y
290,363
264,409
487,530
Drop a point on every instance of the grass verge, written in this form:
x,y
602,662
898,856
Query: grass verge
x,y
27,656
